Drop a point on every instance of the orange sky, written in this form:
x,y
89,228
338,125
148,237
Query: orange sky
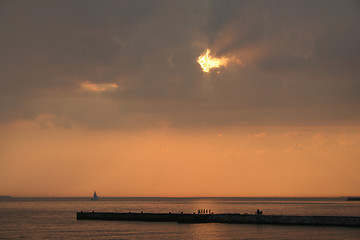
x,y
231,161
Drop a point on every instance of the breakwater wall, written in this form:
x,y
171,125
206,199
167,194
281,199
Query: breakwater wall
x,y
223,218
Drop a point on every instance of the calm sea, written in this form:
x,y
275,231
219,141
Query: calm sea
x,y
54,218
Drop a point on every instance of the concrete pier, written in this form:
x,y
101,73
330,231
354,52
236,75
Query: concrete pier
x,y
223,218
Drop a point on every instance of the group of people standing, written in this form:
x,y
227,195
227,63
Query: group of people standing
x,y
208,211
204,211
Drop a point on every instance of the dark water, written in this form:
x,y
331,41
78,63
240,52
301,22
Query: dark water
x,y
54,218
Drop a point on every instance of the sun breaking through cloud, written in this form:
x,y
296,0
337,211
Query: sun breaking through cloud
x,y
208,62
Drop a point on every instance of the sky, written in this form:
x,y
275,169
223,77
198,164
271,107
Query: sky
x,y
180,98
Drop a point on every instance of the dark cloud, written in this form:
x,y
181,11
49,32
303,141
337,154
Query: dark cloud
x,y
299,62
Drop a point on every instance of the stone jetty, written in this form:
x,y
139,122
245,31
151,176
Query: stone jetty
x,y
223,218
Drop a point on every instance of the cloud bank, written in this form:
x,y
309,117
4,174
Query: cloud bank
x,y
299,62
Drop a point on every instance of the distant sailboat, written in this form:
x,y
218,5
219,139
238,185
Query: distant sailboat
x,y
95,197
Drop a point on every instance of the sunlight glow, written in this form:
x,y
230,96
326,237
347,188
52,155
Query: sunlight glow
x,y
93,87
208,62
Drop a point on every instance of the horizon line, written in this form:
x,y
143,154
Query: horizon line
x,y
342,196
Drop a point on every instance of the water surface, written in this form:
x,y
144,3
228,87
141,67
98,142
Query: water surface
x,y
54,218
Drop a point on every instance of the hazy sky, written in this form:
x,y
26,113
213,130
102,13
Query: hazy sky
x,y
108,95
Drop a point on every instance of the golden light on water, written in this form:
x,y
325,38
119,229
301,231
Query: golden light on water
x,y
208,62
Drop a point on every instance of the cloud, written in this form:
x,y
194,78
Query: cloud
x,y
93,87
293,134
297,148
46,121
298,62
259,135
